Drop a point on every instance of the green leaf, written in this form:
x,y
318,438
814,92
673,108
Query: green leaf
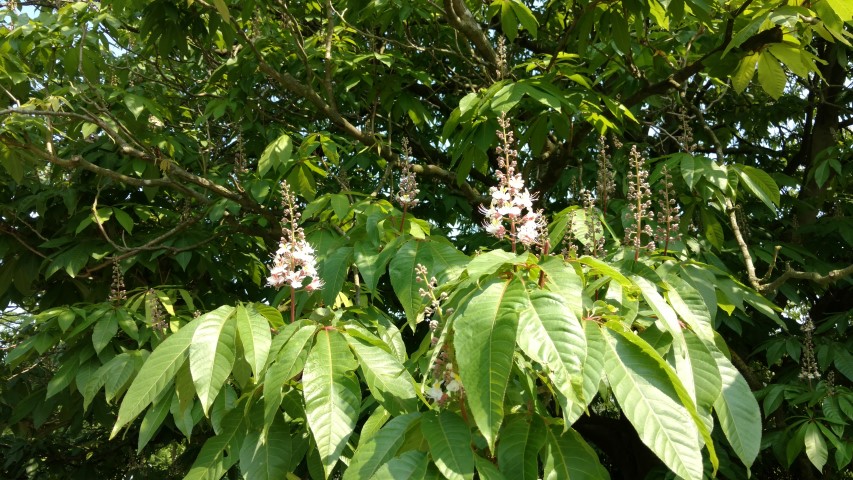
x,y
152,420
442,261
484,342
372,262
254,332
410,465
791,56
120,370
64,376
333,270
567,455
104,331
606,270
332,395
649,400
449,442
815,446
842,8
563,280
744,73
380,448
770,75
525,17
135,104
222,8
690,306
123,219
158,371
340,205
707,383
487,470
267,456
388,380
665,314
490,262
276,155
550,334
290,362
761,185
509,24
522,437
212,462
737,409
844,363
212,354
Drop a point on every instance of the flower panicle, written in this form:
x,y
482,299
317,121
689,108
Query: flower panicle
x,y
669,215
294,261
512,203
407,196
639,204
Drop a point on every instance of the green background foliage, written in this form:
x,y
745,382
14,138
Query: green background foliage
x,y
142,145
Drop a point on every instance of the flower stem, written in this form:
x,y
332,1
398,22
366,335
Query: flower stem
x,y
292,304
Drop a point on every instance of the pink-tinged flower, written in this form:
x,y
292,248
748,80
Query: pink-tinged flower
x,y
294,261
511,203
435,392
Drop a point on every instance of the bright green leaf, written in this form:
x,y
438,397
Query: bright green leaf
x,y
484,341
332,395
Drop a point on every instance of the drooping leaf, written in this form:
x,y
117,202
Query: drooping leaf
x,y
212,354
152,420
289,362
412,464
449,443
564,281
276,155
770,75
267,456
567,455
484,342
549,333
649,400
522,437
254,332
760,184
815,446
158,371
737,409
332,395
220,452
388,380
380,448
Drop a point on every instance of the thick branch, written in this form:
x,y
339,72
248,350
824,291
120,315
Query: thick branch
x,y
823,280
461,19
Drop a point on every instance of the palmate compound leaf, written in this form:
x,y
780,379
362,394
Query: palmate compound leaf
x,y
449,440
380,448
737,409
706,378
332,395
159,370
647,395
212,354
484,342
549,334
